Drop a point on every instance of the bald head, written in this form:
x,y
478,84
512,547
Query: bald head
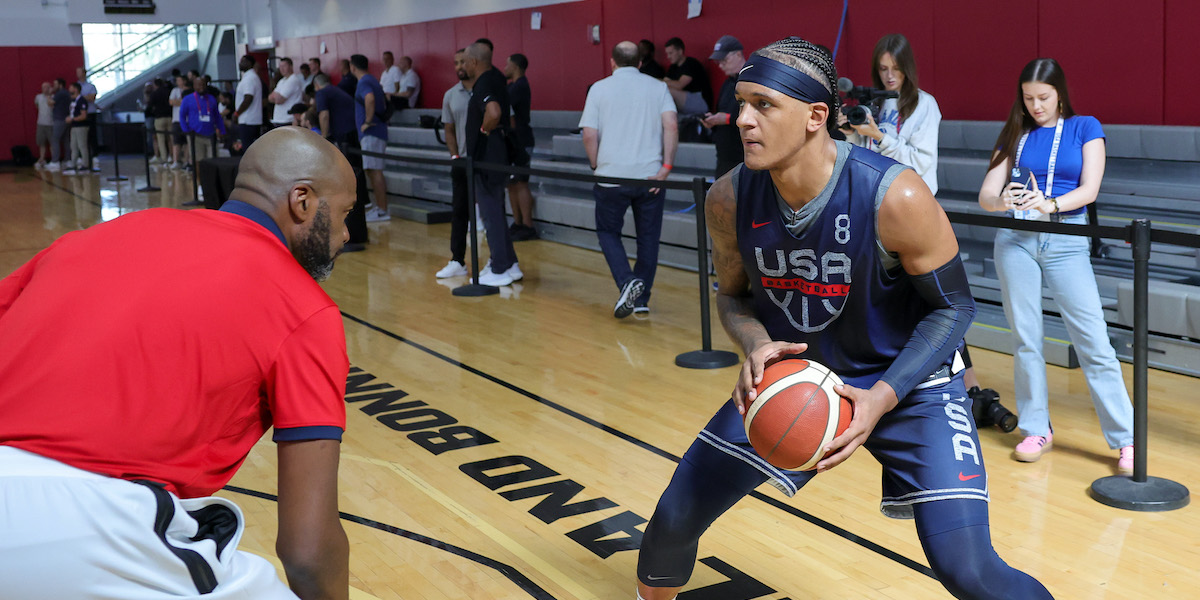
x,y
625,54
303,182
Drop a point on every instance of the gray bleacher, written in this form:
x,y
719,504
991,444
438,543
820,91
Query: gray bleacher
x,y
1152,172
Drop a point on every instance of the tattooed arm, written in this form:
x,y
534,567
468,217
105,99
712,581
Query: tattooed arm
x,y
735,305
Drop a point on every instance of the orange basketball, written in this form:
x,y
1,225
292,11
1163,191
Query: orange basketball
x,y
796,414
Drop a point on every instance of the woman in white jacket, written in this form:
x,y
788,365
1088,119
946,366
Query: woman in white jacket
x,y
907,129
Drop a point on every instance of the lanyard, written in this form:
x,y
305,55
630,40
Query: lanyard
x,y
1058,129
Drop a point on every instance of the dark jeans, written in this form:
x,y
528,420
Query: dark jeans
x,y
611,205
356,221
248,133
490,199
460,216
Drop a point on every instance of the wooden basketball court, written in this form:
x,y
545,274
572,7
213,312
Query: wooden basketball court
x,y
513,446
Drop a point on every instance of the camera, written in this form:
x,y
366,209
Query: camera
x,y
865,98
987,410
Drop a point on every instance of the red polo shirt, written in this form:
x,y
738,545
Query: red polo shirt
x,y
163,344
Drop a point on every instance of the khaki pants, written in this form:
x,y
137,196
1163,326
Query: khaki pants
x,y
162,135
204,149
79,146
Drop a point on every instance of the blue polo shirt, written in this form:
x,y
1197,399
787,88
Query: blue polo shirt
x,y
369,85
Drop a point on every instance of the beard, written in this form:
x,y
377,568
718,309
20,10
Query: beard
x,y
313,253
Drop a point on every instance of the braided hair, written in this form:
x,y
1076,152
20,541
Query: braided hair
x,y
811,59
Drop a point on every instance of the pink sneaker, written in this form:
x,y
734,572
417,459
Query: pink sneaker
x,y
1125,462
1031,448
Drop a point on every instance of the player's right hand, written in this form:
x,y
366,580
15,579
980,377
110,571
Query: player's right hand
x,y
752,370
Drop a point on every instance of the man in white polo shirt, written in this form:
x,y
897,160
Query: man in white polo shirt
x,y
630,131
249,113
410,84
288,93
390,78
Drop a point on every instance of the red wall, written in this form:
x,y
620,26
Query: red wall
x,y
1124,66
24,68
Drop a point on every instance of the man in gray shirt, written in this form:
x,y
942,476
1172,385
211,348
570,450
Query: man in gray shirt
x,y
629,130
454,119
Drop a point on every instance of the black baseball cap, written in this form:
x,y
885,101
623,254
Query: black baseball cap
x,y
298,109
724,46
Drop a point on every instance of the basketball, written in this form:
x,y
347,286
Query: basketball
x,y
796,414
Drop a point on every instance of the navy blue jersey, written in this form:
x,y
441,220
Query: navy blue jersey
x,y
828,285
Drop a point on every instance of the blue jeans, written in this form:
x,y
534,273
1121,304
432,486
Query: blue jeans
x,y
1023,260
611,205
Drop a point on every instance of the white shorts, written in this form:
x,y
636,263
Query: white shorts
x,y
68,533
370,143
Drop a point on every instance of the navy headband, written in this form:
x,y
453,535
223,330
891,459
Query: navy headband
x,y
784,79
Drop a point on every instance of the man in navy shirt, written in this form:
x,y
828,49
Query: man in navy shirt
x,y
335,116
370,103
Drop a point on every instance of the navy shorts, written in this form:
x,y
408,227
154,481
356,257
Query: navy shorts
x,y
927,445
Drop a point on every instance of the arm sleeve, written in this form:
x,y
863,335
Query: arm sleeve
x,y
918,147
185,113
11,286
1089,130
938,335
590,116
668,104
307,381
447,114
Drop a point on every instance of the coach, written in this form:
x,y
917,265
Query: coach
x,y
124,413
629,130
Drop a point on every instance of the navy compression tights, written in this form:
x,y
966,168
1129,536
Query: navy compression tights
x,y
961,555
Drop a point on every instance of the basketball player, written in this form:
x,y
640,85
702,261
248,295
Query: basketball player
x,y
838,254
125,406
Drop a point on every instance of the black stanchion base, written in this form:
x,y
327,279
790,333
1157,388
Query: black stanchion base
x,y
1155,495
119,178
149,188
706,359
475,289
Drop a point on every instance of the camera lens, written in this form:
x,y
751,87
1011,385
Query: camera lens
x,y
856,115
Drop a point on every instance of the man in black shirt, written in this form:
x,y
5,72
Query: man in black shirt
x,y
725,135
486,115
650,66
687,80
519,196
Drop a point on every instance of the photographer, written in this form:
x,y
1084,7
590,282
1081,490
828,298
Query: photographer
x,y
906,129
1047,166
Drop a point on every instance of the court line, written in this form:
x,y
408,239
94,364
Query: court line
x,y
823,524
513,575
516,548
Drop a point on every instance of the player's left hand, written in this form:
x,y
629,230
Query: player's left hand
x,y
869,406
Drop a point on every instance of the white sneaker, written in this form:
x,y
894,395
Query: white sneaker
x,y
515,272
377,215
452,269
154,160
39,165
488,277
53,166
68,172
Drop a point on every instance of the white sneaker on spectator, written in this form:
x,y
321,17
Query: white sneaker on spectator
x,y
39,165
69,172
489,277
369,207
452,269
154,160
377,215
515,272
53,166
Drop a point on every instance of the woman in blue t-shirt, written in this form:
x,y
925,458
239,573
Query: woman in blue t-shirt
x,y
1065,154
